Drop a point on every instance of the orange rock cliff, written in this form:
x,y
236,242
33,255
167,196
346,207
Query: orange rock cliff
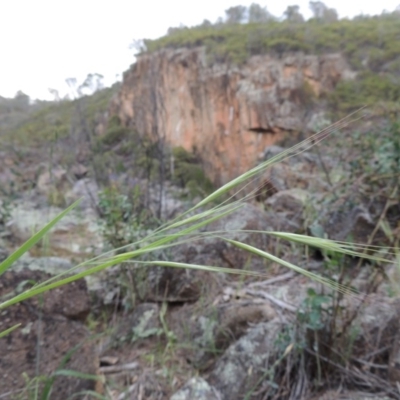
x,y
226,113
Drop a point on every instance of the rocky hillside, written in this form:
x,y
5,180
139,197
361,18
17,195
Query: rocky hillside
x,y
150,332
225,113
214,98
227,91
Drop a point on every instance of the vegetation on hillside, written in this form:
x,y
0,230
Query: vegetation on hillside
x,y
16,111
35,123
371,45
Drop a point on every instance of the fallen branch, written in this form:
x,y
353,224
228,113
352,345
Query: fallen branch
x,y
279,278
119,368
274,300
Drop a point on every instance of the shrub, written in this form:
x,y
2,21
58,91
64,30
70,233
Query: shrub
x,y
114,135
125,218
189,173
367,89
181,155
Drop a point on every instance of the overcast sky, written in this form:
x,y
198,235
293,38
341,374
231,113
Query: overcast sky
x,y
43,42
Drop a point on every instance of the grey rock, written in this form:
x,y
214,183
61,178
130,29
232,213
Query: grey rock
x,y
50,265
318,122
196,389
76,234
211,332
142,323
244,363
85,189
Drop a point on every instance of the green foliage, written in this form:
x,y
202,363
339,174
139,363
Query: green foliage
x,y
114,135
312,314
375,157
366,184
189,173
125,219
48,121
16,111
388,151
358,38
183,156
282,45
370,44
368,89
114,121
235,15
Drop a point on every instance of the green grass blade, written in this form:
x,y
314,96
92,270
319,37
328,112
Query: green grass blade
x,y
9,330
76,374
206,268
327,244
44,288
328,282
50,380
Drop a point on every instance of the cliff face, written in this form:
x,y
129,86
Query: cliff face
x,y
228,115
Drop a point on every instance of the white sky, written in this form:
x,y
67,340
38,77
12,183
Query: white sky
x,y
43,42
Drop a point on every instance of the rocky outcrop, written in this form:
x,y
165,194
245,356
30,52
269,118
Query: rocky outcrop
x,y
227,114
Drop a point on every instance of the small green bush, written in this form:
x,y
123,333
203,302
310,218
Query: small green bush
x,y
367,89
125,217
114,135
114,121
189,173
181,155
